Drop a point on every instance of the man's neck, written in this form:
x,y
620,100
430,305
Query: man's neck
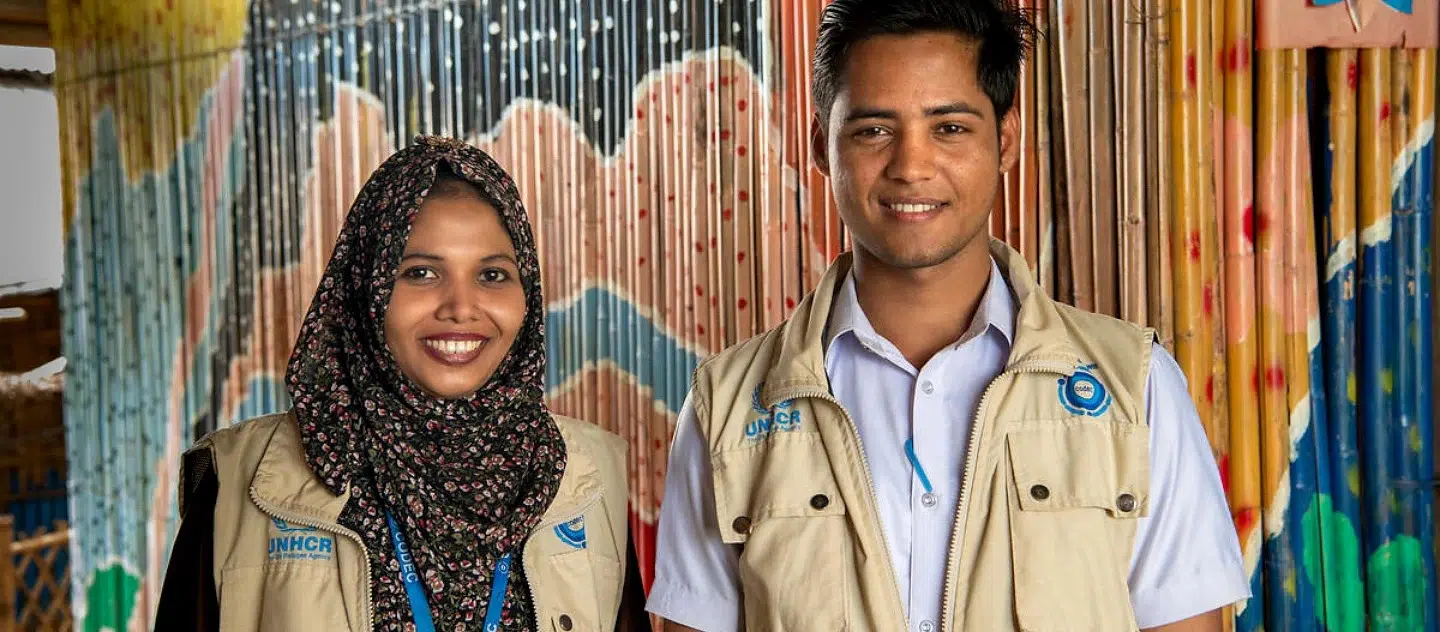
x,y
923,310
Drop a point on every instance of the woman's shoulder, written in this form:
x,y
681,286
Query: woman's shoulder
x,y
255,432
588,445
590,437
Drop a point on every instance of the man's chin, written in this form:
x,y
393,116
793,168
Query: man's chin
x,y
910,258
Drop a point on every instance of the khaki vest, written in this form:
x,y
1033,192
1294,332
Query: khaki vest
x,y
1056,474
283,562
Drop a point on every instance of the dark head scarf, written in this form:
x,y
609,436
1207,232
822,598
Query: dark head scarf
x,y
466,479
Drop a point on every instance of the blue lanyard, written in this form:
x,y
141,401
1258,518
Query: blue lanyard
x,y
915,463
420,607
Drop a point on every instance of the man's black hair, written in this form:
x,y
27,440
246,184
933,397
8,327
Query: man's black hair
x,y
1002,30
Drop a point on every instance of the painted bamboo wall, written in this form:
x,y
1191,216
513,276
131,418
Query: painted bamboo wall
x,y
1270,213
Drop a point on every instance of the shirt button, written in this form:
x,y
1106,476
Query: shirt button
x,y
929,500
927,387
927,626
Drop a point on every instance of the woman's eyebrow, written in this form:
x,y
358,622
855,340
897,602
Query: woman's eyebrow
x,y
500,256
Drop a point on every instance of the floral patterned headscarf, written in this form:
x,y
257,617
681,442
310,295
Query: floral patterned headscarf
x,y
465,479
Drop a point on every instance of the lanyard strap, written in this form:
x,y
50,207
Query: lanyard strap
x,y
418,604
420,607
497,593
915,463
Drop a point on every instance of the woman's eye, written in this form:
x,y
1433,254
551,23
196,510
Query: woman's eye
x,y
870,132
494,275
418,273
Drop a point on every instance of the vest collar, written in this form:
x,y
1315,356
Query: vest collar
x,y
284,480
798,366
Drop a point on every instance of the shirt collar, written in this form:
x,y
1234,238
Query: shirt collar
x,y
997,309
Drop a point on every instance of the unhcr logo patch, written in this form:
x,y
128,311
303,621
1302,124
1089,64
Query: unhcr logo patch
x,y
298,542
780,419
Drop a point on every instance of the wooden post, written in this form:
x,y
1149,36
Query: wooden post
x,y
7,574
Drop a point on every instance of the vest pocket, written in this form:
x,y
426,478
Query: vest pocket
x,y
282,596
1078,486
780,500
572,583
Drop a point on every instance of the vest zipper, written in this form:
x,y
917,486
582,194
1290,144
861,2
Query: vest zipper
x,y
870,491
337,530
525,559
952,558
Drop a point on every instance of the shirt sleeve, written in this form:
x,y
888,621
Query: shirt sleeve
x,y
697,576
1187,557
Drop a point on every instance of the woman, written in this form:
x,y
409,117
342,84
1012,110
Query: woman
x,y
418,482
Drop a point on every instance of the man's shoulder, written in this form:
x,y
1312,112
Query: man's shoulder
x,y
745,352
1103,324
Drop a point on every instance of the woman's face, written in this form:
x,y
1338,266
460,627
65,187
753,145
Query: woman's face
x,y
458,302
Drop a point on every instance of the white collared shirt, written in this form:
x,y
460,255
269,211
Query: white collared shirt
x,y
1186,559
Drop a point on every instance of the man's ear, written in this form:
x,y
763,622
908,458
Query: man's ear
x,y
819,145
1009,140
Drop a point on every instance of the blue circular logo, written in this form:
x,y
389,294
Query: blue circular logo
x,y
1083,394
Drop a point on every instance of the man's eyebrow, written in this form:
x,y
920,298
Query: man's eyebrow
x,y
871,113
958,107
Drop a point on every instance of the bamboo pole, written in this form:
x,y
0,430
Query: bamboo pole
x,y
1044,207
1074,25
1023,229
1302,608
1192,333
1134,277
1240,234
1345,601
1060,164
1102,145
1159,203
1422,81
1208,172
1275,139
1413,127
8,587
1376,351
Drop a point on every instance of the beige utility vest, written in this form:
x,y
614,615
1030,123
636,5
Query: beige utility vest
x,y
1056,474
283,562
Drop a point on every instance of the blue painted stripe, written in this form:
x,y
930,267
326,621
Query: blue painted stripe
x,y
616,332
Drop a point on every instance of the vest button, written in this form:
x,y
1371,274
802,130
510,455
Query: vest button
x,y
1039,492
819,501
1125,503
565,622
741,525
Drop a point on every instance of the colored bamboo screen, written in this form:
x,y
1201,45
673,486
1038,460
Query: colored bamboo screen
x,y
1269,212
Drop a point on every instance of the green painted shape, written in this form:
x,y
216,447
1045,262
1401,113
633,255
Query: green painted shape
x,y
1332,564
1397,586
110,599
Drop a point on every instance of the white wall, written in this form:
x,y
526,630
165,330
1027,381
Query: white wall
x,y
30,214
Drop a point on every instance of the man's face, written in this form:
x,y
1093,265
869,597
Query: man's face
x,y
913,148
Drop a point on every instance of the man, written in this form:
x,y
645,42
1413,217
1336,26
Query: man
x,y
930,443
